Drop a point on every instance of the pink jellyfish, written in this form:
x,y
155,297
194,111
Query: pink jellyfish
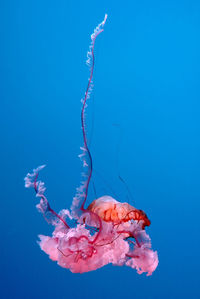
x,y
107,231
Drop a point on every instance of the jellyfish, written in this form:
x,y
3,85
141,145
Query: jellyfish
x,y
87,237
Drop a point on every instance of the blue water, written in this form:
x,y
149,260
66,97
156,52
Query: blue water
x,y
143,123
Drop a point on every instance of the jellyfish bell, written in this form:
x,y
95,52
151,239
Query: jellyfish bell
x,y
111,210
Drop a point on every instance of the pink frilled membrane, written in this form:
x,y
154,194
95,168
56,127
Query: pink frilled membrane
x,y
92,243
107,231
75,250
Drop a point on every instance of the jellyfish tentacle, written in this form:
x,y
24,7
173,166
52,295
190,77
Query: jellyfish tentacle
x,y
31,181
81,196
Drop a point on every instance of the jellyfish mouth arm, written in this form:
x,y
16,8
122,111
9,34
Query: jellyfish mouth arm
x,y
87,95
86,157
31,181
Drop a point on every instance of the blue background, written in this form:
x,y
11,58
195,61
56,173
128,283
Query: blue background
x,y
144,115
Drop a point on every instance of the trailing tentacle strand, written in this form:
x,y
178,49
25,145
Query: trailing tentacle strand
x,y
31,181
82,192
